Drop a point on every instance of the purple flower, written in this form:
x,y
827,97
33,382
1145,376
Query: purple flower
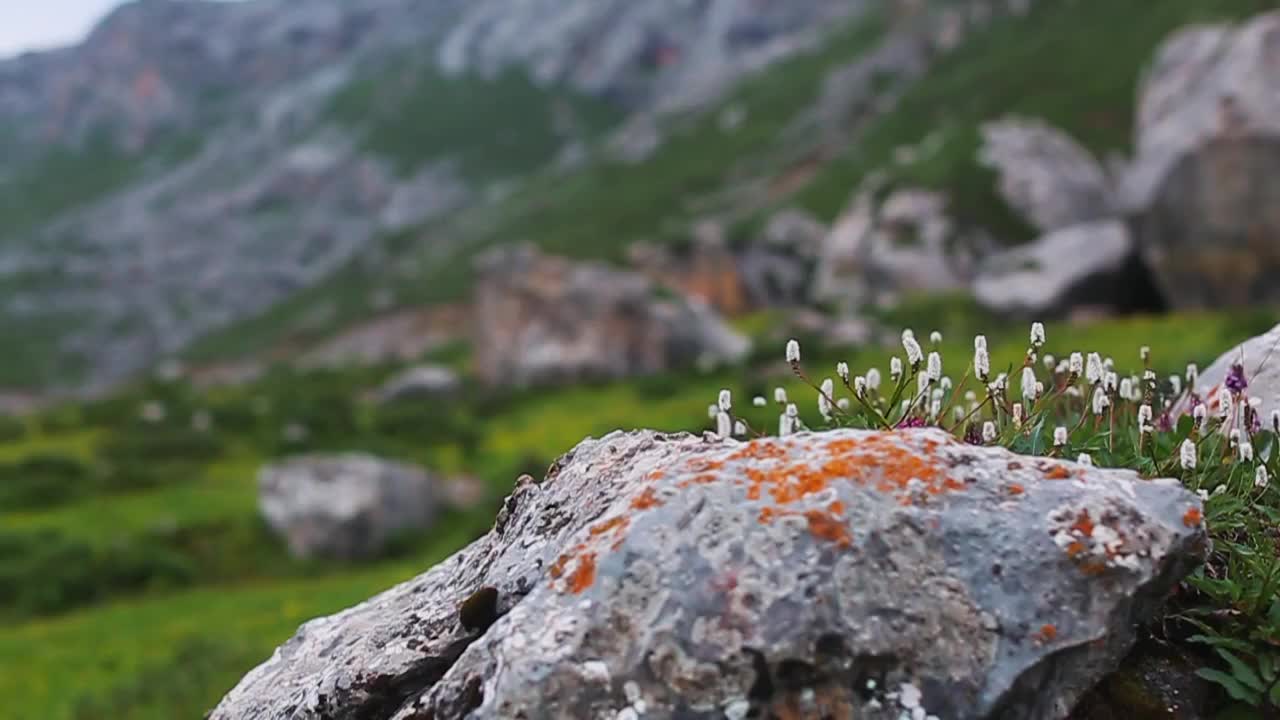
x,y
1164,423
973,434
1236,382
912,422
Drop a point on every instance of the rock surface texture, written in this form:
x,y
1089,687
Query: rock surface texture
x,y
1088,265
842,574
1202,183
1045,175
344,506
1260,357
540,318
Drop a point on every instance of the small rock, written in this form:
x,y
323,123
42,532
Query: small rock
x,y
418,382
344,506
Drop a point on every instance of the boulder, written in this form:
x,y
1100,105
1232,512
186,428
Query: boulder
x,y
706,270
795,232
539,318
879,251
1088,265
344,506
1202,183
1045,175
841,574
1260,357
418,382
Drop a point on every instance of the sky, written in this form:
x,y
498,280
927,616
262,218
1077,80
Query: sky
x,y
36,25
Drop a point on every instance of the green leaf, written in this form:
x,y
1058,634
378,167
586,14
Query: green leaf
x,y
1231,685
1242,672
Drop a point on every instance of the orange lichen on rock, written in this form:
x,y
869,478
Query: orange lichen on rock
x,y
584,575
1048,633
827,527
646,500
1057,472
1016,489
1192,517
614,523
1083,524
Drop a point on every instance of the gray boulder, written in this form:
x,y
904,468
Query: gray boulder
x,y
344,506
1260,357
1045,175
1087,265
1202,183
419,382
539,318
841,574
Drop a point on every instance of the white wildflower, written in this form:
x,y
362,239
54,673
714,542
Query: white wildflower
x,y
1260,477
1175,384
999,384
1063,368
922,383
843,403
1126,389
979,342
938,393
1101,401
726,400
740,429
1050,362
1246,450
958,413
1187,454
1203,495
1094,371
1085,459
1144,418
934,366
780,396
981,362
1028,384
792,410
1193,376
1075,364
935,408
935,337
1017,415
786,424
759,401
1226,405
1059,436
724,424
895,368
1037,335
970,396
824,398
1234,438
915,355
1073,391
1111,382
1218,490
842,369
873,379
988,432
1200,413
946,384
1109,363
906,405
1149,376
793,352
1039,389
713,411
1144,352
860,387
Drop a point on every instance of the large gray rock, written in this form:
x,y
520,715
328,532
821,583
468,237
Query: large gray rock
x,y
877,251
842,574
344,506
1260,358
1202,183
1204,81
539,318
1092,264
1045,175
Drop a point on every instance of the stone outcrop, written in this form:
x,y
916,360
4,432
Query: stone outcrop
x,y
1202,183
877,251
539,318
1260,358
842,574
1045,175
344,506
419,382
1091,265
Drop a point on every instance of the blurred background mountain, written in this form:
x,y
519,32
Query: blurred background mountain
x,y
234,231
